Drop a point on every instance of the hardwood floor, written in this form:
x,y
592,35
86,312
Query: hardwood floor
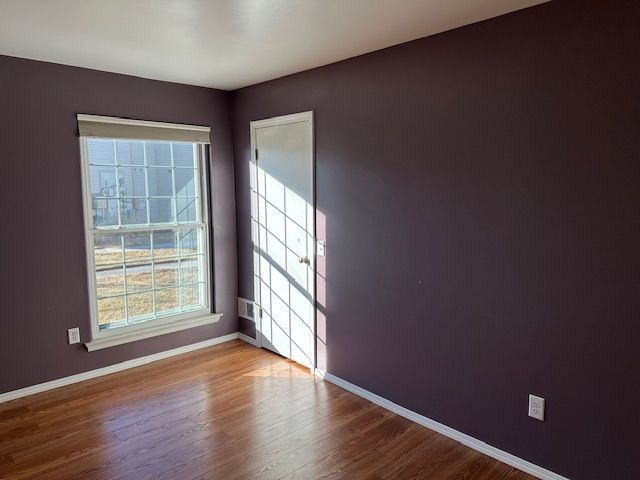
x,y
226,412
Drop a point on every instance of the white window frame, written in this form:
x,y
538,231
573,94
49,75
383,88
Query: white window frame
x,y
160,326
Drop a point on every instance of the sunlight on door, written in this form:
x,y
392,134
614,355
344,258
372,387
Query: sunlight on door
x,y
282,232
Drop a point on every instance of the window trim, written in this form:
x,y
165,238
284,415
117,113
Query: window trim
x,y
159,326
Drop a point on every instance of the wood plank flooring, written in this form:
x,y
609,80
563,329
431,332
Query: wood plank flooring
x,y
226,412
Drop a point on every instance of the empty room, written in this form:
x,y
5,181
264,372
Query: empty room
x,y
320,239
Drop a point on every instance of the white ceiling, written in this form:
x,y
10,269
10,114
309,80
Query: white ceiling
x,y
224,44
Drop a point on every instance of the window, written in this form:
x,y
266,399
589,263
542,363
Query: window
x,y
147,231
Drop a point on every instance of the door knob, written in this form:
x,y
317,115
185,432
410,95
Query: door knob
x,y
305,259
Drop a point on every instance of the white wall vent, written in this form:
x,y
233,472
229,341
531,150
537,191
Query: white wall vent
x,y
246,309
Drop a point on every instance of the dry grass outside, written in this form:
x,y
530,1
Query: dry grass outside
x,y
112,309
104,257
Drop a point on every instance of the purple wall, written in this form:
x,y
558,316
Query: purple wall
x,y
43,275
480,193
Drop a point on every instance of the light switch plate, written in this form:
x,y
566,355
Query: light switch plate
x,y
321,248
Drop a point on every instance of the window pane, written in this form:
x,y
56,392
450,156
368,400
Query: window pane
x,y
186,209
160,182
133,211
183,155
110,310
190,270
191,297
137,247
103,181
110,281
101,151
139,277
185,182
140,306
107,249
158,153
103,185
166,273
161,210
189,242
144,275
132,181
164,244
105,212
130,152
167,301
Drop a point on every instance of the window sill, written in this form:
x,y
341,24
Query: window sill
x,y
149,331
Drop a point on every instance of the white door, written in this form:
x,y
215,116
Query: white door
x,y
283,226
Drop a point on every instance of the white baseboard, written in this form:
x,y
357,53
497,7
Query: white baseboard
x,y
136,362
474,443
248,339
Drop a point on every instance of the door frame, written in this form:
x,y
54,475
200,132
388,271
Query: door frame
x,y
307,116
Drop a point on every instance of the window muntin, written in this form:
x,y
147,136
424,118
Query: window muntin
x,y
148,230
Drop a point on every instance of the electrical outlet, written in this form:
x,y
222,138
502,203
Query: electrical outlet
x,y
536,407
74,335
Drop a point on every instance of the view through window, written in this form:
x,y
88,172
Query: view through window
x,y
148,230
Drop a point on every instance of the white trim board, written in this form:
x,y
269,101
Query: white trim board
x,y
135,362
463,438
151,330
248,339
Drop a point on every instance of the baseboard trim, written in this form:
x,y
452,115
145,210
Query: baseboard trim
x,y
471,442
118,367
248,339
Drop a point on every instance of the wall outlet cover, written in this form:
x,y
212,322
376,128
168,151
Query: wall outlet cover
x,y
73,335
536,407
